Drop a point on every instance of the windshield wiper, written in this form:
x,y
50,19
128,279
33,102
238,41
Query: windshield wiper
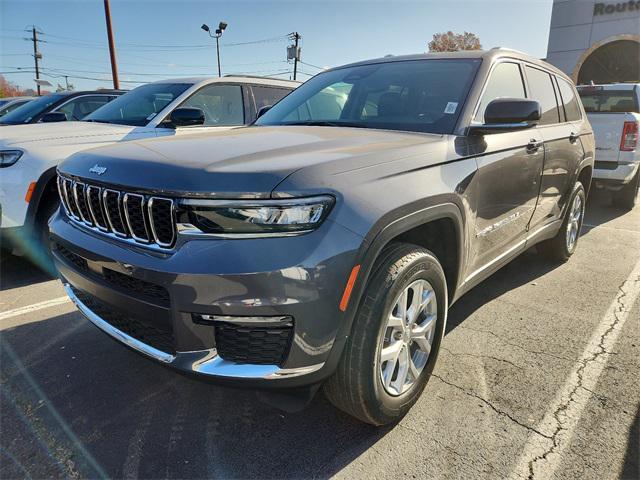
x,y
319,123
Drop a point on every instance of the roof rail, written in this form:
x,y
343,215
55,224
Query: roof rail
x,y
258,76
509,49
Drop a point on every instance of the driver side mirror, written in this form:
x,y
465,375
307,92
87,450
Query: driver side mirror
x,y
54,117
263,110
186,117
508,115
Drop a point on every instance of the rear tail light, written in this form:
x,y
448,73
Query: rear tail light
x,y
629,138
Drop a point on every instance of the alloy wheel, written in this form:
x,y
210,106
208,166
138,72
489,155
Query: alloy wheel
x,y
573,225
408,337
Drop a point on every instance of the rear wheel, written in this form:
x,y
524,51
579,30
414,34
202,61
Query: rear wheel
x,y
563,245
627,198
395,337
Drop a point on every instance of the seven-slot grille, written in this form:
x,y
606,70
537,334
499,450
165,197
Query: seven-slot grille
x,y
145,219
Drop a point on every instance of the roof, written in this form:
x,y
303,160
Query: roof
x,y
244,79
488,55
90,92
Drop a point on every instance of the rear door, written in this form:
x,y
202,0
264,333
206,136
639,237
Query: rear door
x,y
562,149
266,96
79,107
509,169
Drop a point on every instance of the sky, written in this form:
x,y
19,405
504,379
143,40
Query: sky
x,y
158,39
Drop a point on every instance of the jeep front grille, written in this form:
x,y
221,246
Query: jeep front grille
x,y
144,219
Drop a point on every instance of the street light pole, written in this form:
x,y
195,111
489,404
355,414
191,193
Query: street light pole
x,y
218,53
218,33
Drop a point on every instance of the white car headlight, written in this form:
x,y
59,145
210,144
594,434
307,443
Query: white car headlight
x,y
9,157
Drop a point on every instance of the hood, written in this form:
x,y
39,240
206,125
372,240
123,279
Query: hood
x,y
34,135
248,161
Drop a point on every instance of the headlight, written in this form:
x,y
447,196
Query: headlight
x,y
9,157
256,216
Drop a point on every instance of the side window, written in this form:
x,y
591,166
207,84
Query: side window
x,y
542,90
267,96
80,107
221,104
505,81
569,100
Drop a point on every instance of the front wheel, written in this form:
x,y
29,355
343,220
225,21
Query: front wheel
x,y
563,245
395,337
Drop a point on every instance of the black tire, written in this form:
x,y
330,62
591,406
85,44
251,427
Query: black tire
x,y
38,248
356,386
558,248
627,198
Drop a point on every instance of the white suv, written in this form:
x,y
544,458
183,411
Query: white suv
x,y
29,154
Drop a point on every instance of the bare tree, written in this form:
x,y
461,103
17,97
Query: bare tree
x,y
453,42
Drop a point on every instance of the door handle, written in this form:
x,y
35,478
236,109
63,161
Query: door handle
x,y
573,137
533,145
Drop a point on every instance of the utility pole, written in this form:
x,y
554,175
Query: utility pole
x,y
66,81
36,55
293,52
112,48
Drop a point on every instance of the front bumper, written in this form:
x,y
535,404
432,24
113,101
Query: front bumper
x,y
300,277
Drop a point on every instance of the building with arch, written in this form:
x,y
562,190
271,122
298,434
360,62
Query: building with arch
x,y
596,41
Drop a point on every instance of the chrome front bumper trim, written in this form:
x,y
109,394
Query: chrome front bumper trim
x,y
203,362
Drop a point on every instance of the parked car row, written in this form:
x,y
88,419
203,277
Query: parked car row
x,y
165,108
11,103
257,234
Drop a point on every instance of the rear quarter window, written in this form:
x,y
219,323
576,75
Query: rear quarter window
x,y
569,101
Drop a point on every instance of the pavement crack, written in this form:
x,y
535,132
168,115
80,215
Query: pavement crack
x,y
503,413
478,355
515,345
619,308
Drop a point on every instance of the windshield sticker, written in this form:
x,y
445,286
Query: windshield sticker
x,y
451,107
151,116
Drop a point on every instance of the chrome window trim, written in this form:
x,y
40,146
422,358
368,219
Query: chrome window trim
x,y
106,192
93,214
125,206
152,222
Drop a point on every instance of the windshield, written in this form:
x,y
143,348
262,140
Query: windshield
x,y
139,106
26,112
413,95
608,101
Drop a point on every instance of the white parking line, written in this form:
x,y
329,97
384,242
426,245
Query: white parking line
x,y
542,455
32,308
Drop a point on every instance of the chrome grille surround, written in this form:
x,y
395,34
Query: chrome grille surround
x,y
123,215
130,211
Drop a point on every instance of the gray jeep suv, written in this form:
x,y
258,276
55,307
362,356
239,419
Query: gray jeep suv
x,y
325,243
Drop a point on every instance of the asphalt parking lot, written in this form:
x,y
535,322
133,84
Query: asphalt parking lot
x,y
538,377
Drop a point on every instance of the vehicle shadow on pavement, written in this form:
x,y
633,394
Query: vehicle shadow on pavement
x,y
599,210
631,469
18,272
74,403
